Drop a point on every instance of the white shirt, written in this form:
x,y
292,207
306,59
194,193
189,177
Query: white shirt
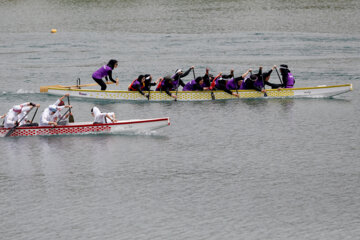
x,y
100,117
47,117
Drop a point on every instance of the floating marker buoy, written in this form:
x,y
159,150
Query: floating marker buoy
x,y
53,30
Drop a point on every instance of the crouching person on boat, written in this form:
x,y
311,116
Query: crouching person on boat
x,y
166,84
100,117
106,71
17,114
51,116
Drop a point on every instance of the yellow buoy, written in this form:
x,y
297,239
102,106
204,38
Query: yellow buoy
x,y
53,30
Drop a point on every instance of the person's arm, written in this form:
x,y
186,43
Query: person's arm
x,y
181,83
273,85
138,88
246,73
111,78
110,118
229,76
186,73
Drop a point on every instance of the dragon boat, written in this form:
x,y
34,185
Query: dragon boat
x,y
81,128
79,91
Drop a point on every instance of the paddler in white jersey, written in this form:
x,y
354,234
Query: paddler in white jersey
x,y
100,117
52,114
17,113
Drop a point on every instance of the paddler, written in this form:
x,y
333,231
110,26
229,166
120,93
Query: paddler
x,y
166,84
266,77
288,80
149,83
236,83
195,85
23,115
100,117
253,82
227,85
177,78
15,114
52,114
138,85
106,71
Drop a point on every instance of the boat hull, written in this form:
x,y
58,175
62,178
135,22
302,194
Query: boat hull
x,y
128,126
312,92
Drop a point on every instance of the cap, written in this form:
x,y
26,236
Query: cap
x,y
61,103
178,70
253,77
284,66
53,108
17,108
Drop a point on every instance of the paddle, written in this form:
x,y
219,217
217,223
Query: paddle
x,y
177,88
17,124
279,76
71,117
63,115
34,115
262,78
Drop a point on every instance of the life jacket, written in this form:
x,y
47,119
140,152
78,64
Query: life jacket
x,y
243,84
290,80
160,85
189,86
259,83
214,82
232,84
131,88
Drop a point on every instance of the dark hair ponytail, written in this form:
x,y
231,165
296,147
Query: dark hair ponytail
x,y
112,63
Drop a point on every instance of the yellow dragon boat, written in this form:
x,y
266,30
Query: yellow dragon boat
x,y
79,91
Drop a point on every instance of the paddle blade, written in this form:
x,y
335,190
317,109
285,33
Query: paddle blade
x,y
71,119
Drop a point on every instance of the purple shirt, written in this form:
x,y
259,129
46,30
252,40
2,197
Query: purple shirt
x,y
102,72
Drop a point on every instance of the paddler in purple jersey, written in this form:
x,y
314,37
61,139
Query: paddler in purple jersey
x,y
288,79
266,76
177,78
166,84
106,71
138,85
194,85
208,78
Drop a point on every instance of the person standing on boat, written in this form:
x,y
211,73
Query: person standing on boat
x,y
100,117
138,85
52,114
15,114
288,80
166,84
177,78
106,71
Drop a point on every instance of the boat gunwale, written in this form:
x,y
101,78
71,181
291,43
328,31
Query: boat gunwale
x,y
205,91
89,124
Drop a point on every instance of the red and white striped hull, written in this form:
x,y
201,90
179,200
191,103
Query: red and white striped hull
x,y
127,126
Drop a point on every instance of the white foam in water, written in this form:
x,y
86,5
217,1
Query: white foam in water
x,y
24,91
